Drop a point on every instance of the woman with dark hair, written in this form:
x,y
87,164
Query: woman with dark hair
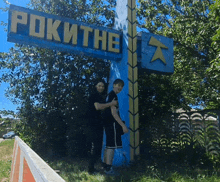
x,y
96,104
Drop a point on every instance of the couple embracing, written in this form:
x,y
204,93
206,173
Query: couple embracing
x,y
104,113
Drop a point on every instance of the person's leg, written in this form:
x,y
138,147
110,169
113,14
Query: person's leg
x,y
108,158
112,143
110,147
91,159
96,147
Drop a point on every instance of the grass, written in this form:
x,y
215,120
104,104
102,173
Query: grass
x,y
6,152
142,171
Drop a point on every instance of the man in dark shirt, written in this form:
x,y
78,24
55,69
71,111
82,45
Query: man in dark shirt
x,y
114,126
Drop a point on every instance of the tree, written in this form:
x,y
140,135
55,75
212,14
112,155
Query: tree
x,y
213,70
52,86
189,23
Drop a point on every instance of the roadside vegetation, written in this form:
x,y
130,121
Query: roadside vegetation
x,y
142,171
6,152
156,169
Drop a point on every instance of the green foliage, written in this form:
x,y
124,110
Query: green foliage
x,y
213,70
191,27
6,151
195,80
158,94
51,86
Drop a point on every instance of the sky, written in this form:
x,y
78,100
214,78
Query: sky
x,y
6,104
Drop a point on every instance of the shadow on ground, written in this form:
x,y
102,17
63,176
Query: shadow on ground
x,y
141,170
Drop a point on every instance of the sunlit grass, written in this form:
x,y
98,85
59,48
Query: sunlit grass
x,y
76,170
6,151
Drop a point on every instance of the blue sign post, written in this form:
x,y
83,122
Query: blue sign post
x,y
127,51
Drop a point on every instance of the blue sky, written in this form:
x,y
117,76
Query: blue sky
x,y
6,104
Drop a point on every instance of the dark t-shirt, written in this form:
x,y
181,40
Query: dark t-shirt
x,y
93,114
107,113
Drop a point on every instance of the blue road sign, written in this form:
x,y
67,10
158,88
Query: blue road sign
x,y
156,53
64,34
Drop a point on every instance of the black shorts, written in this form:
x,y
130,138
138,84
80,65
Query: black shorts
x,y
113,135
